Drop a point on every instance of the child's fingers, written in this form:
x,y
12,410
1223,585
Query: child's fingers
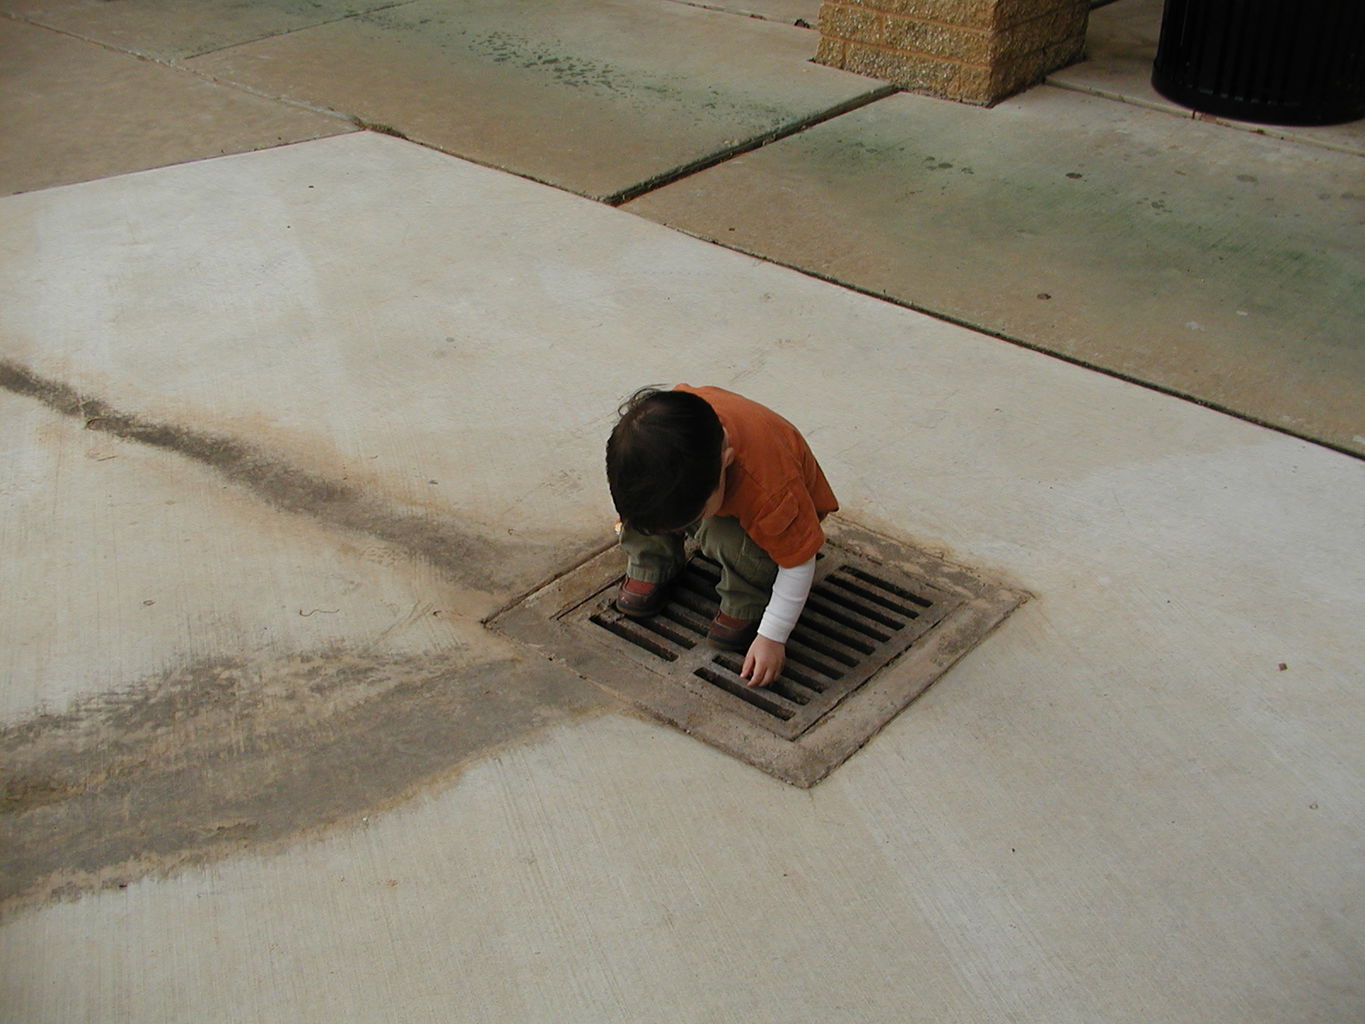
x,y
759,675
748,669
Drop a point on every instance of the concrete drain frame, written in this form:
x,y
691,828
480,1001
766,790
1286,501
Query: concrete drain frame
x,y
884,621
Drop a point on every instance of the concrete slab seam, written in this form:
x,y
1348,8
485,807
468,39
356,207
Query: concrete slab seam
x,y
1270,131
754,15
261,94
297,28
180,66
991,332
568,570
177,62
716,159
639,189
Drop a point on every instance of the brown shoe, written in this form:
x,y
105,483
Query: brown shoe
x,y
639,599
732,634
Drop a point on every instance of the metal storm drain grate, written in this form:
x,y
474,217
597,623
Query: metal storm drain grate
x,y
858,618
883,622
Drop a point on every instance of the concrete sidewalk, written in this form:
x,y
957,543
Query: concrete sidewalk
x,y
1087,218
283,427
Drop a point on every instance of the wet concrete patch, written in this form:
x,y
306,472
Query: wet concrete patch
x,y
595,98
1120,238
73,111
230,753
169,30
802,13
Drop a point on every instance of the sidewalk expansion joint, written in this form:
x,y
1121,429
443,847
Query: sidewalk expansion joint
x,y
705,163
1024,343
356,15
719,8
1288,133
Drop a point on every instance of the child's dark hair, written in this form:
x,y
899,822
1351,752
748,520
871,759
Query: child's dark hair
x,y
664,459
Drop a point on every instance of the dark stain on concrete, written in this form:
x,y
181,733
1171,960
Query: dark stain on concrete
x,y
237,753
563,68
475,560
227,754
563,65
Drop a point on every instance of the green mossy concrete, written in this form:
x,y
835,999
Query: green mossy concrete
x,y
1215,264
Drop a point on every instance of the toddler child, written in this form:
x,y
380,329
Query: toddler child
x,y
742,482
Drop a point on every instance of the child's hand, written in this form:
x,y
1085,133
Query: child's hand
x,y
764,661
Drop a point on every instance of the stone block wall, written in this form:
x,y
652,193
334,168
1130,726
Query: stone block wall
x,y
976,51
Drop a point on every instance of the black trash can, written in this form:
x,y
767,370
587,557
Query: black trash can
x,y
1291,62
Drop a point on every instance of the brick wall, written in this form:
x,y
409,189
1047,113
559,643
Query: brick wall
x,y
977,51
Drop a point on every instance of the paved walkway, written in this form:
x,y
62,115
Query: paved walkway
x,y
1087,218
282,427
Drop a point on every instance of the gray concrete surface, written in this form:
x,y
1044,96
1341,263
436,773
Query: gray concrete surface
x,y
280,429
1241,294
1216,264
1121,45
1120,807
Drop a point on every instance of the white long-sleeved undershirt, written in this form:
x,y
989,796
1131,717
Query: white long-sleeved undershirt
x,y
790,590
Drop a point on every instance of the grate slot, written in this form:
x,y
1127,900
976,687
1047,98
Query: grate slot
x,y
645,641
823,608
686,617
764,700
655,625
815,622
704,605
888,586
805,681
845,604
871,595
703,568
791,691
867,593
695,591
796,653
695,581
794,686
821,647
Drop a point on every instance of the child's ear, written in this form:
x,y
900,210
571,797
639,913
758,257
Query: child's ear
x,y
727,454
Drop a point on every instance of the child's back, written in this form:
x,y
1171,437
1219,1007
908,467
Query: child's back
x,y
743,483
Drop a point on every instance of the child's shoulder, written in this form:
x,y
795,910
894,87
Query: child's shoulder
x,y
718,396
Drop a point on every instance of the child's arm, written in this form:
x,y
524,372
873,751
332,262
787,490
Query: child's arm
x,y
768,653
